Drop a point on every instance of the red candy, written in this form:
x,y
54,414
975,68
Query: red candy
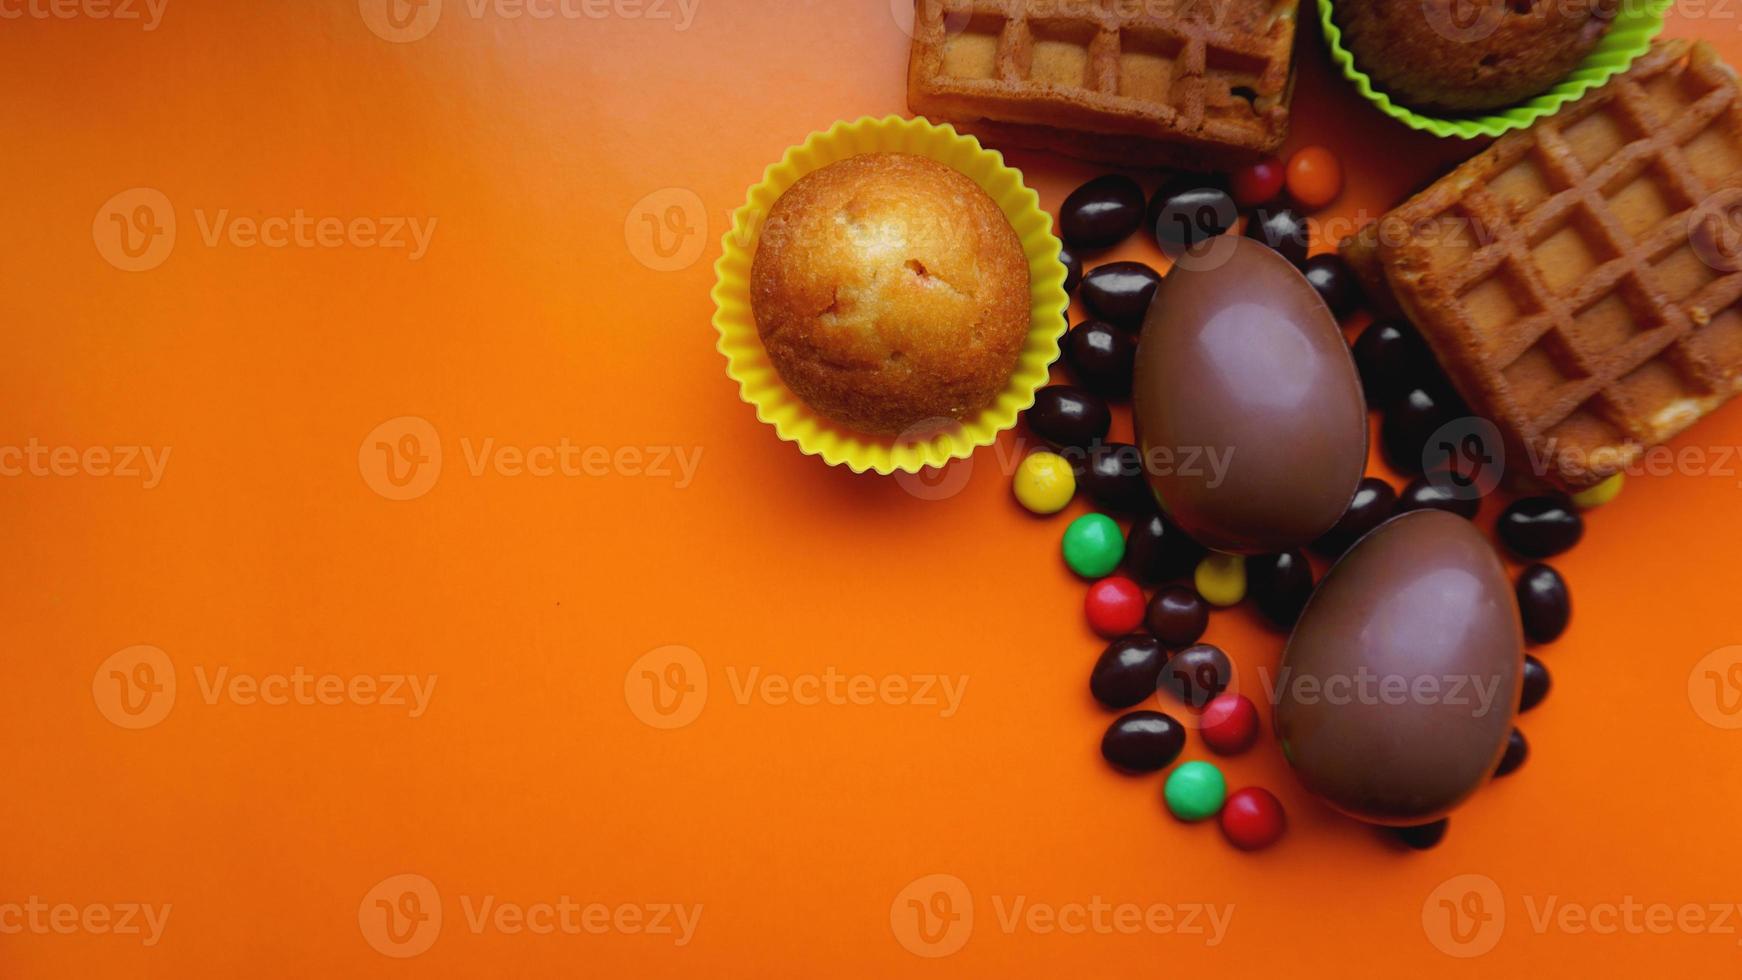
x,y
1114,606
1257,183
1252,819
1230,723
1315,178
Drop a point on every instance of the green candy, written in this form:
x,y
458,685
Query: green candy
x,y
1195,791
1093,545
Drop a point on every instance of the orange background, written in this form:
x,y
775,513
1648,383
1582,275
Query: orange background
x,y
531,319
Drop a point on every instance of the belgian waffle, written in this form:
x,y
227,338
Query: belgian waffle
x,y
1190,83
1580,280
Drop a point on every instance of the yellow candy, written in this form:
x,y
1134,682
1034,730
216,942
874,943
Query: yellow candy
x,y
1221,579
1045,483
1600,494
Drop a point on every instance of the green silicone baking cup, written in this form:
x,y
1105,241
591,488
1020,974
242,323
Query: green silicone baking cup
x,y
1637,22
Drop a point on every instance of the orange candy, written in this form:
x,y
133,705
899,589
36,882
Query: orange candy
x,y
1315,178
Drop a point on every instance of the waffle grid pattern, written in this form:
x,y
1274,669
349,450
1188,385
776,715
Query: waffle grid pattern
x,y
1163,69
1592,300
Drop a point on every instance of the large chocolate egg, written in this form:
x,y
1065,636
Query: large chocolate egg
x,y
1247,403
1399,683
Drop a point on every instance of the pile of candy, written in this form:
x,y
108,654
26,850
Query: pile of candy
x,y
1155,639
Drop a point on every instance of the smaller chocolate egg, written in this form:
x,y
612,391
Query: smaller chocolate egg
x,y
1126,673
1373,505
1156,550
1068,416
1143,741
1246,402
1119,292
1541,527
1544,603
1102,358
1280,585
1102,212
1197,674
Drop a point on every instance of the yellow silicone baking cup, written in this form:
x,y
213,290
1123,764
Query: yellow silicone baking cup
x,y
747,362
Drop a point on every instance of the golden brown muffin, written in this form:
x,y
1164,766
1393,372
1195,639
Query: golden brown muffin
x,y
889,291
1470,55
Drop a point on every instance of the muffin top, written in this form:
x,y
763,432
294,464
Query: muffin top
x,y
890,291
1470,55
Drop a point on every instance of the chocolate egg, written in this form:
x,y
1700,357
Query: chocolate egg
x,y
1395,695
1247,404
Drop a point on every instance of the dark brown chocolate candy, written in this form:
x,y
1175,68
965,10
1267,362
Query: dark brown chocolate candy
x,y
1177,616
1197,674
1143,741
1127,670
1397,689
1246,401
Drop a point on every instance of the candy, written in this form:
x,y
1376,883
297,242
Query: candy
x,y
1127,670
1092,545
1143,741
1101,212
1119,292
1073,268
1044,482
1229,723
1195,790
1536,684
1314,177
1600,494
1411,421
1283,229
1517,750
1540,527
1421,837
1335,284
1189,208
1158,550
1113,476
1197,674
1438,494
1221,579
1392,359
1257,183
1374,502
1177,616
1543,603
1114,606
1280,585
1068,416
1252,819
1101,357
